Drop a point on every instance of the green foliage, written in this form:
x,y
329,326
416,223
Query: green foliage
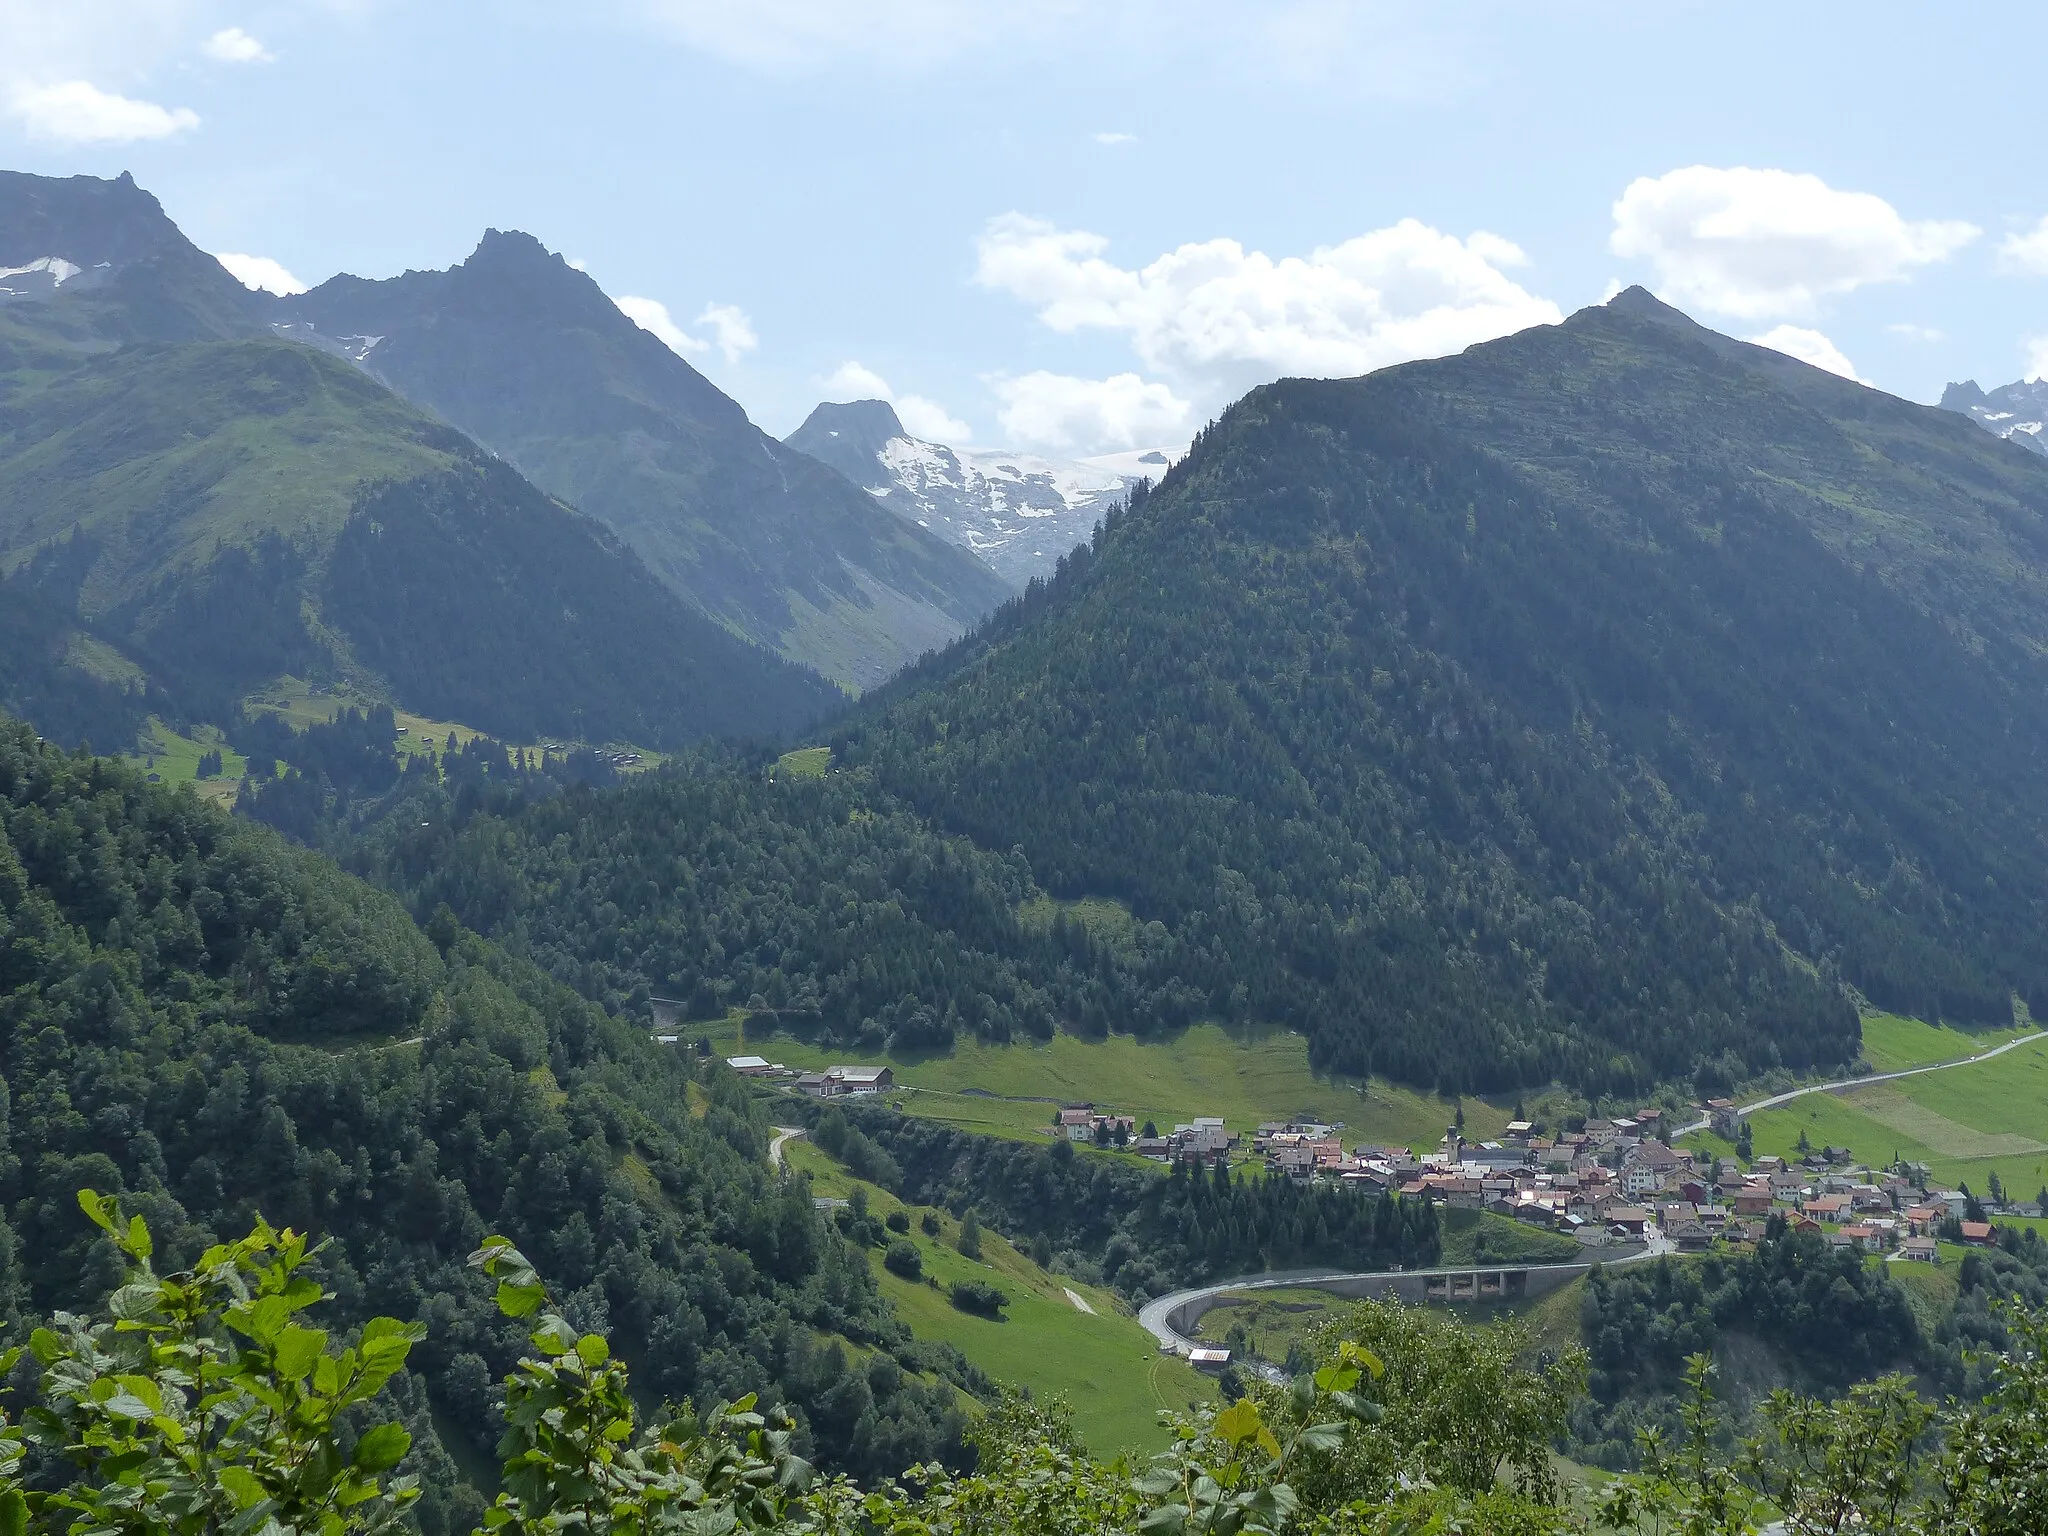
x,y
207,1022
969,1239
978,1297
206,1405
902,1258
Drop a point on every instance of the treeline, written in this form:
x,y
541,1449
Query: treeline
x,y
819,899
1124,1225
210,1024
1826,1318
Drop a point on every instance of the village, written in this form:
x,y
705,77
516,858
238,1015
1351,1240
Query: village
x,y
1607,1182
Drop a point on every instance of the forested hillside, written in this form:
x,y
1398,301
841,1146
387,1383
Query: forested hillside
x,y
212,1024
1602,703
190,507
528,356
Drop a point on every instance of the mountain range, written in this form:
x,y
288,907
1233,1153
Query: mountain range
x,y
527,356
2017,412
1018,512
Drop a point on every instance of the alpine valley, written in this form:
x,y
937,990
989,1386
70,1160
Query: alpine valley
x,y
1611,714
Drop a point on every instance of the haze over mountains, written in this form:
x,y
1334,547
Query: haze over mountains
x,y
529,357
1019,512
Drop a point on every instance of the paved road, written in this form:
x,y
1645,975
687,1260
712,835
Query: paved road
x,y
1153,1315
1876,1077
782,1133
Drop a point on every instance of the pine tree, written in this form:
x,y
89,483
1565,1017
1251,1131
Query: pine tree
x,y
969,1242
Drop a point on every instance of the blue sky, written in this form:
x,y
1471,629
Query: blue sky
x,y
1087,227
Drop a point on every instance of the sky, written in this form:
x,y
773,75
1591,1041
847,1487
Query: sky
x,y
1084,228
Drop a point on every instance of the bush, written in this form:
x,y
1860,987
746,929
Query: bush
x,y
975,1296
929,1223
903,1259
897,1221
969,1241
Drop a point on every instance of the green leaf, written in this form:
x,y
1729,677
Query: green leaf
x,y
382,1448
520,1300
260,1320
13,1513
242,1486
138,1242
99,1209
296,1350
1166,1520
592,1349
137,1302
1239,1422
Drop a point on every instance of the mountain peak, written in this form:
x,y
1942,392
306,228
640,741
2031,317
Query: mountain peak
x,y
1638,301
863,419
95,221
1960,397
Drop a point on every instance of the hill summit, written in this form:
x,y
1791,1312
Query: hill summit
x,y
1612,702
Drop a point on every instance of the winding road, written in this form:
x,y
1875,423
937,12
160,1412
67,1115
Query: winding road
x,y
1155,1315
1876,1077
782,1133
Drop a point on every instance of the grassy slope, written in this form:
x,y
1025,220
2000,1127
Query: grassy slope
x,y
1964,1123
236,439
1202,1071
1891,1043
1106,1366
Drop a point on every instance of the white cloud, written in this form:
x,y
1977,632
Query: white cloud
x,y
652,315
2026,252
732,332
921,418
1217,319
78,112
1116,138
231,45
260,272
1065,415
1764,244
1913,332
1809,347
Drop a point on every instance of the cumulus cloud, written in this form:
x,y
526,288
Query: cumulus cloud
x,y
78,112
1765,244
1809,347
2027,251
261,273
732,333
1217,318
1066,415
231,45
921,418
652,315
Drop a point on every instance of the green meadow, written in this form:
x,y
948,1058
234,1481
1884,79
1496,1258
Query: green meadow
x,y
1964,1123
1205,1070
1892,1043
1109,1369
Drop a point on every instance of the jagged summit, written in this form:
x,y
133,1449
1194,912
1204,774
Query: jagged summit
x,y
2017,412
530,357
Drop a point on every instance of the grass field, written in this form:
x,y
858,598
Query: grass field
x,y
1106,1366
174,759
1963,1123
1202,1071
1892,1043
804,763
